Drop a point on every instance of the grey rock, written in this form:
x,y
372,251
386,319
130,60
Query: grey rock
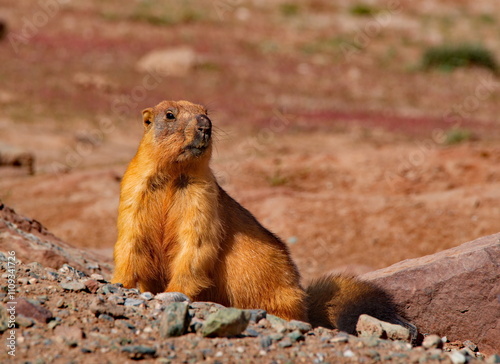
x,y
256,315
265,342
340,338
133,302
251,332
109,289
470,345
175,319
285,343
303,327
172,297
146,296
138,352
73,286
116,300
296,336
277,323
99,307
226,322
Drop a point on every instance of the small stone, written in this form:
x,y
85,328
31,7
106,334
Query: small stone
x,y
340,338
125,324
52,324
22,321
92,285
285,343
277,336
277,323
133,302
116,300
251,332
73,286
147,296
256,315
432,341
138,352
99,307
265,342
172,297
470,345
226,322
303,327
106,317
37,312
97,277
175,320
33,281
109,289
370,326
296,336
457,357
348,353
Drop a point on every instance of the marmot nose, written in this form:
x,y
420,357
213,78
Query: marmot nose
x,y
204,125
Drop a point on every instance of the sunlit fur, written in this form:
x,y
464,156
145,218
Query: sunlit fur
x,y
178,230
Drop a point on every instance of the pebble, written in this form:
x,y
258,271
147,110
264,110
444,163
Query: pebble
x,y
348,353
147,296
457,357
265,342
285,343
257,315
97,277
109,289
226,322
138,352
100,307
432,341
73,286
370,326
295,336
340,338
470,345
172,297
133,302
175,320
303,327
92,285
4,318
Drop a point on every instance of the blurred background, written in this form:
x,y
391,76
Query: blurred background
x,y
361,132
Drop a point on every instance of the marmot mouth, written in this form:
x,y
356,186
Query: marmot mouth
x,y
196,150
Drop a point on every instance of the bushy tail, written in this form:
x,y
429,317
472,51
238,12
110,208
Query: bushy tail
x,y
337,301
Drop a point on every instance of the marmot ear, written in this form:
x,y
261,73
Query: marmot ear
x,y
147,116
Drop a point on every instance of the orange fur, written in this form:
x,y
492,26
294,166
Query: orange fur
x,y
178,230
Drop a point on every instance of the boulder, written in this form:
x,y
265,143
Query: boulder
x,y
454,293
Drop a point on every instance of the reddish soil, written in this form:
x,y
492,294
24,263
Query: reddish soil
x,y
342,155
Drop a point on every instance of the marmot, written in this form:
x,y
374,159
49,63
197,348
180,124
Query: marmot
x,y
179,231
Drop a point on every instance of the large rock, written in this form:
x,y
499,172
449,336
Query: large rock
x,y
33,243
454,293
168,62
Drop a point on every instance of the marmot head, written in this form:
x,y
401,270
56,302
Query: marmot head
x,y
179,130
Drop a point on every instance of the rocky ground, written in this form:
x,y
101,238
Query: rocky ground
x,y
74,315
65,316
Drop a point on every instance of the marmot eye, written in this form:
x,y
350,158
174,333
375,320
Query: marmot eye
x,y
170,115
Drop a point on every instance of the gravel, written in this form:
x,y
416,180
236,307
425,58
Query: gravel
x,y
60,321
